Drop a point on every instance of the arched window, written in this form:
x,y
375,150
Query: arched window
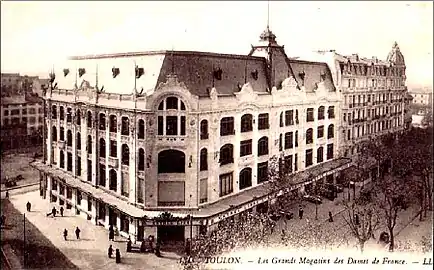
x,y
171,161
320,155
330,131
89,144
263,146
321,111
125,155
171,103
141,159
246,123
204,129
172,121
309,136
62,113
113,180
203,159
245,178
102,152
113,123
54,134
53,112
62,159
102,121
78,117
78,141
125,129
226,154
89,119
69,138
141,129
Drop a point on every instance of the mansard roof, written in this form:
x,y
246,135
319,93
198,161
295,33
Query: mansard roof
x,y
197,70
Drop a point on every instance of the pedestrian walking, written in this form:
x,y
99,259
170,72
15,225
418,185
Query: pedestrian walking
x,y
28,206
157,248
129,244
111,233
118,256
187,247
7,194
300,212
54,211
65,234
330,217
110,251
61,211
77,233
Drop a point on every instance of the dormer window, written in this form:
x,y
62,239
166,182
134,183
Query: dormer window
x,y
255,74
81,72
302,76
139,72
218,74
115,72
65,72
322,77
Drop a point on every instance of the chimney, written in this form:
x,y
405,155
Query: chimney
x,y
356,56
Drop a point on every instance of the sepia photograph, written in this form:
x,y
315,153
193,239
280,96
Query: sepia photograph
x,y
193,135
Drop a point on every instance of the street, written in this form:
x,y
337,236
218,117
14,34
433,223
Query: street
x,y
90,252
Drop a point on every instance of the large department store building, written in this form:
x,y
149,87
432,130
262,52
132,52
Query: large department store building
x,y
172,143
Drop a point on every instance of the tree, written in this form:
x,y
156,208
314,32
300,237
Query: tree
x,y
391,198
362,219
413,158
314,236
249,230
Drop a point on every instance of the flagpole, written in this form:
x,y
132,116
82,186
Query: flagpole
x,y
135,77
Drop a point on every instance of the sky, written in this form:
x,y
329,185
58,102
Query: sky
x,y
37,35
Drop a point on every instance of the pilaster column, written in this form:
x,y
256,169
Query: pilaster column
x,y
49,141
133,162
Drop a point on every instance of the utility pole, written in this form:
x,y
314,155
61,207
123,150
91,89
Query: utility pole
x,y
24,236
191,226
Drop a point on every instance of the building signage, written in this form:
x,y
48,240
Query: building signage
x,y
168,223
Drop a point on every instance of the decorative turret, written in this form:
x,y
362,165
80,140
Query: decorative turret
x,y
395,56
268,37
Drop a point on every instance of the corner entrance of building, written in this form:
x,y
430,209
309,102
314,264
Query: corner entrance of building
x,y
172,237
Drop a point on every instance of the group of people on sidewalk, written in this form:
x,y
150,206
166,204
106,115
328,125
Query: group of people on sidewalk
x,y
53,212
77,234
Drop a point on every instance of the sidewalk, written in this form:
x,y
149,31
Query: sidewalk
x,y
90,252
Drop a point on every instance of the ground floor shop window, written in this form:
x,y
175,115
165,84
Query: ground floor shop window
x,y
171,233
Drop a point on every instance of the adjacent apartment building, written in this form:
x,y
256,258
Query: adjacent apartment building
x,y
173,143
22,113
